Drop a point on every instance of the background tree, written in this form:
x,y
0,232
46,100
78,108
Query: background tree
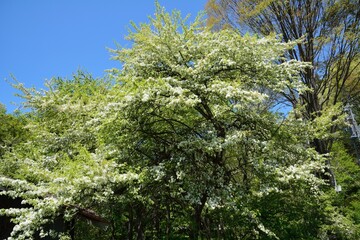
x,y
330,33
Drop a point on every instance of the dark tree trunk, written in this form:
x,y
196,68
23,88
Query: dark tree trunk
x,y
196,227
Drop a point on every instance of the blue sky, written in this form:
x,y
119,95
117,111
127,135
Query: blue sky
x,y
41,39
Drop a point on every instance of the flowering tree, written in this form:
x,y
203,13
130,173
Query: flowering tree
x,y
182,144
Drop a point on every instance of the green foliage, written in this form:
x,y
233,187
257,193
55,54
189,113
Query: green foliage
x,y
12,130
348,177
179,144
61,167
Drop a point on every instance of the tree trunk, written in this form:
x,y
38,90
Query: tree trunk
x,y
196,227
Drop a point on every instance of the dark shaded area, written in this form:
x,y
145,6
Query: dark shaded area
x,y
59,225
6,225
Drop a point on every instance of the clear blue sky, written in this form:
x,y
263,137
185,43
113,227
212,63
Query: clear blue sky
x,y
41,39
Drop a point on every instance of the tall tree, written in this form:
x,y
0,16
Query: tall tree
x,y
329,33
193,104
